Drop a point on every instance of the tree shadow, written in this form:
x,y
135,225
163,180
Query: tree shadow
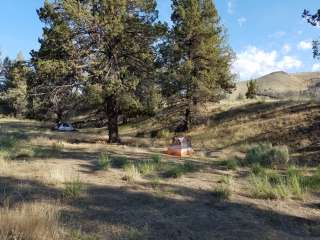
x,y
15,191
193,215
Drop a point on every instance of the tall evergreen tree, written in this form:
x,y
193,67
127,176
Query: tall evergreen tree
x,y
120,36
314,20
57,73
197,55
15,94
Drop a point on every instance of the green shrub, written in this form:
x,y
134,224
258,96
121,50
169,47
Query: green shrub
x,y
73,189
267,155
174,172
222,193
257,169
146,167
156,158
104,161
119,162
8,142
231,164
272,185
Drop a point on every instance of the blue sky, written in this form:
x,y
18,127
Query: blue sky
x,y
266,35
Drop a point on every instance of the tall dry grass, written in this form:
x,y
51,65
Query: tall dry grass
x,y
35,221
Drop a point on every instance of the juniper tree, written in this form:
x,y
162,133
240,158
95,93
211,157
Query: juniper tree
x,y
120,36
15,94
197,55
314,20
57,73
252,89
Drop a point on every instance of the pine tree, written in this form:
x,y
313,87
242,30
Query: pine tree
x,y
57,74
252,89
314,20
120,36
15,95
197,56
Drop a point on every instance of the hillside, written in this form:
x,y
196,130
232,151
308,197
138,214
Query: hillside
x,y
280,83
75,186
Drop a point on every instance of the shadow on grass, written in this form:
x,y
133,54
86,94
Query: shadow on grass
x,y
191,216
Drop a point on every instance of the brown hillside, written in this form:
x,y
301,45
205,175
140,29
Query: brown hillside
x,y
279,83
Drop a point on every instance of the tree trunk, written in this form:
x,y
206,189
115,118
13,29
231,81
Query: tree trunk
x,y
112,115
187,119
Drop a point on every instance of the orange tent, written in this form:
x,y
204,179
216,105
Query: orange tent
x,y
180,147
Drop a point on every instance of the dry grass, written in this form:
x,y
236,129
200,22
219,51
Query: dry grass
x,y
36,221
168,206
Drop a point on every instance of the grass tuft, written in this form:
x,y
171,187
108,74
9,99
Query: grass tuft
x,y
73,189
104,161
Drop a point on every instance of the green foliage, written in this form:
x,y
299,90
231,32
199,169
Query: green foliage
x,y
267,155
17,88
269,184
197,56
104,161
147,167
221,193
231,164
73,189
156,158
252,89
119,162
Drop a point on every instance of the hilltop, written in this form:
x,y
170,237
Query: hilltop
x,y
278,83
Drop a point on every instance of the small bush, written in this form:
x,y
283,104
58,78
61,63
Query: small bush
x,y
231,164
73,189
104,161
222,193
119,162
156,158
272,185
267,155
8,142
174,172
131,173
146,168
257,169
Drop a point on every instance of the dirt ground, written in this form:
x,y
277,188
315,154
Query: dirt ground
x,y
149,207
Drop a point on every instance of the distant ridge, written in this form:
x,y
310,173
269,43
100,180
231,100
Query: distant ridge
x,y
280,83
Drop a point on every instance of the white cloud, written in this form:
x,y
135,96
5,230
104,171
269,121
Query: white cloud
x,y
304,45
242,21
254,62
230,4
316,67
289,62
286,48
